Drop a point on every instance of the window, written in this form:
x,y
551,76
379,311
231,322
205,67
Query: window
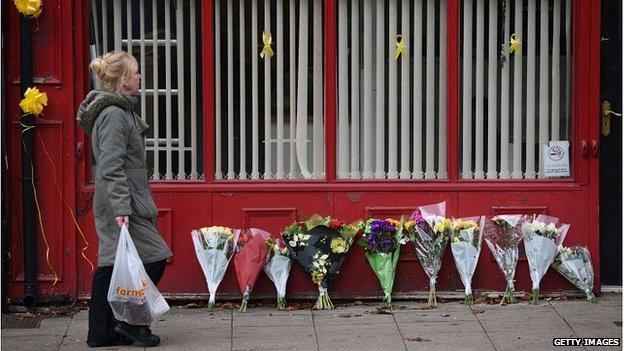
x,y
512,104
269,112
165,38
391,110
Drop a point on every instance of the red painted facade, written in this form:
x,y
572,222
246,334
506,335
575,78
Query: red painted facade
x,y
60,70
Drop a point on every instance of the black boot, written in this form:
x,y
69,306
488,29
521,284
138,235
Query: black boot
x,y
139,333
118,340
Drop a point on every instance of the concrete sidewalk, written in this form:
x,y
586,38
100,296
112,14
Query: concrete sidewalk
x,y
452,326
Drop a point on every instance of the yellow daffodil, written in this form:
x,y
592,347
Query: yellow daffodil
x,y
33,101
29,8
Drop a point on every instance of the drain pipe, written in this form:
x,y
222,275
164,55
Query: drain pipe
x,y
28,196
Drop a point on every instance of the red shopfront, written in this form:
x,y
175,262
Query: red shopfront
x,y
330,124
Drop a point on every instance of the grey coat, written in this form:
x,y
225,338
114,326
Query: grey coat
x,y
121,183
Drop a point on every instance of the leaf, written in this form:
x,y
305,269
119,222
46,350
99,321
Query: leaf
x,y
477,310
418,339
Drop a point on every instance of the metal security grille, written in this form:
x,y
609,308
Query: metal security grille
x,y
512,104
164,37
392,113
269,117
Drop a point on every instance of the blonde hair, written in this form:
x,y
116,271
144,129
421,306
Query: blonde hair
x,y
112,67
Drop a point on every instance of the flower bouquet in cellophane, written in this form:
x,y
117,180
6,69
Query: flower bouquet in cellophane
x,y
320,245
542,237
430,231
214,247
277,268
466,237
381,240
251,255
502,235
574,263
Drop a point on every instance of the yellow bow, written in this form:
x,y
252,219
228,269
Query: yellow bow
x,y
400,47
514,45
267,40
29,8
33,101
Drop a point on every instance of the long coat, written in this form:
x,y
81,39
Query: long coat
x,y
121,183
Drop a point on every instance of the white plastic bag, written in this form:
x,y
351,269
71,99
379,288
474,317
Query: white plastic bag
x,y
132,295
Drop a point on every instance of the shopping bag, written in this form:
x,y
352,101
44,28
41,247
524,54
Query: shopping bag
x,y
132,295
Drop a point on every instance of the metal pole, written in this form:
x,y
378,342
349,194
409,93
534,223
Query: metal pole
x,y
28,121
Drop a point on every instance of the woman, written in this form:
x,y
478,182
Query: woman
x,y
122,192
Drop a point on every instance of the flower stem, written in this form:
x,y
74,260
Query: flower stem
x,y
432,302
509,297
243,306
281,303
591,297
535,297
211,306
469,300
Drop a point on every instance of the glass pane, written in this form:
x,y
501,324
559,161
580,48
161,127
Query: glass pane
x,y
515,108
269,116
165,38
391,89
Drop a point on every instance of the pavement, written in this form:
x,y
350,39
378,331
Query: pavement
x,y
355,326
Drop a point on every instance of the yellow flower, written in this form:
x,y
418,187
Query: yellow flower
x,y
338,245
408,225
29,8
33,101
442,225
317,277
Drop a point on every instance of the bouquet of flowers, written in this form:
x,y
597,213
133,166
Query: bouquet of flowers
x,y
466,246
430,231
541,239
320,246
381,240
251,255
574,263
277,268
214,247
502,235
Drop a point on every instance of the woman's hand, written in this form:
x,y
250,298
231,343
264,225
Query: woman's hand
x,y
121,220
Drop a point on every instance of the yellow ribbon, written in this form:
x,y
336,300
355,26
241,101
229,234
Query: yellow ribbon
x,y
514,45
28,8
58,188
33,101
267,40
400,47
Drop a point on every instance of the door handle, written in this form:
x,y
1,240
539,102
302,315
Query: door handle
x,y
594,148
606,117
584,148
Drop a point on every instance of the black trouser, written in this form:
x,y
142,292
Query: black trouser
x,y
101,319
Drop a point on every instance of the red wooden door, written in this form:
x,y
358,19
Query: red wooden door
x,y
274,202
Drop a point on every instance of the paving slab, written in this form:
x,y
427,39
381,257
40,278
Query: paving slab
x,y
274,338
349,336
273,319
447,341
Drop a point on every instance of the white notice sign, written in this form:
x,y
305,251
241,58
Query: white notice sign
x,y
557,159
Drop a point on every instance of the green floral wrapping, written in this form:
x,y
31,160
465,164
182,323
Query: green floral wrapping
x,y
384,265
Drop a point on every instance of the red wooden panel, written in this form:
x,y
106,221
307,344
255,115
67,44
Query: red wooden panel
x,y
568,206
48,32
49,199
164,227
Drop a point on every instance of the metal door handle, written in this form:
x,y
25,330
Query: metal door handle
x,y
594,148
584,149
